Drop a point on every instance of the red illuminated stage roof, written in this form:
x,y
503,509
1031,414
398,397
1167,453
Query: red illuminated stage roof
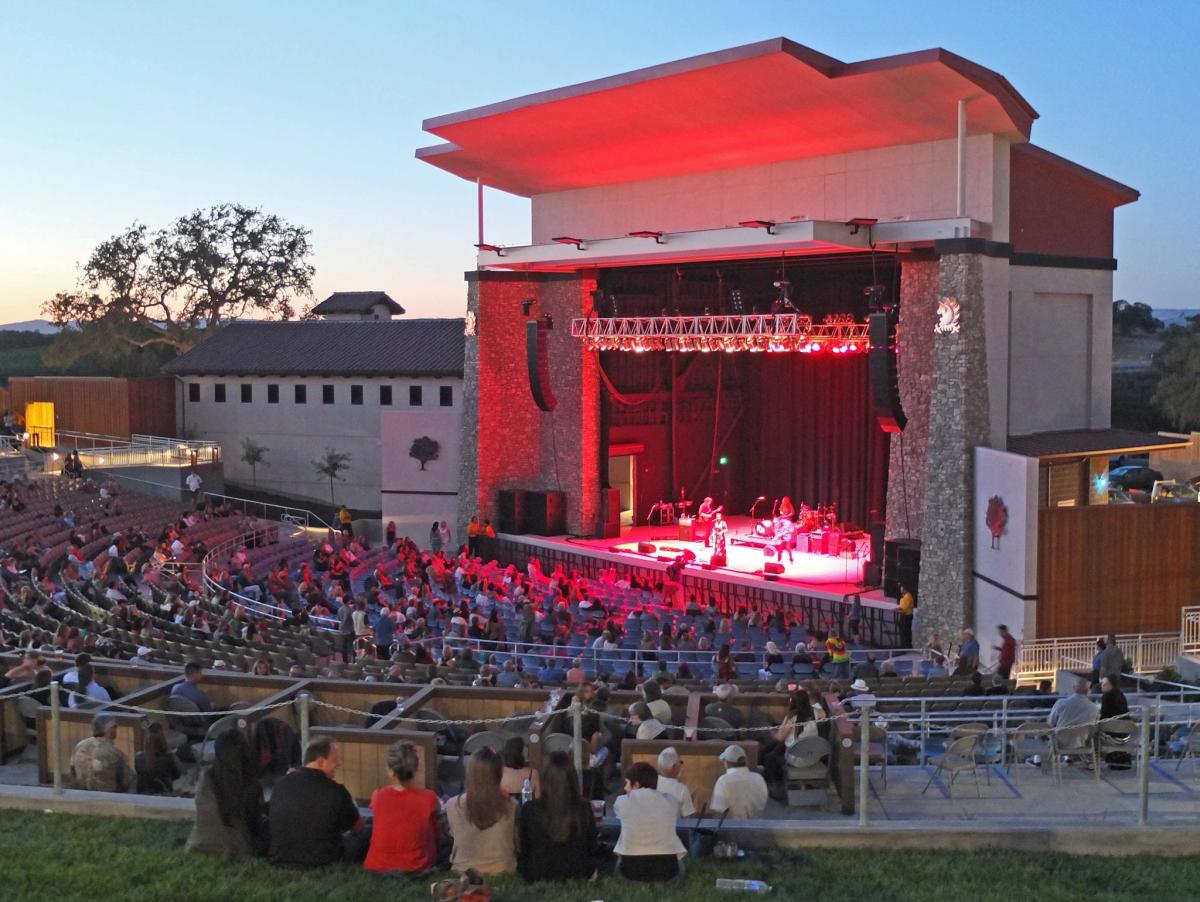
x,y
759,103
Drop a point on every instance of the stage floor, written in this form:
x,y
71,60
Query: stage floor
x,y
818,574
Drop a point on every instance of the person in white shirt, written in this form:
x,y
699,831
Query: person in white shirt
x,y
193,483
739,792
648,848
669,766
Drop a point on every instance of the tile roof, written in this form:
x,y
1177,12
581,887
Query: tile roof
x,y
409,347
356,302
1083,442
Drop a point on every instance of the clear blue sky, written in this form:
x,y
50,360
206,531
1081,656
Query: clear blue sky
x,y
122,111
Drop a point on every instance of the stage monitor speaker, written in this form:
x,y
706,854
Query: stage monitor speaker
x,y
885,385
647,548
537,359
901,566
771,577
717,560
772,567
872,574
512,511
545,513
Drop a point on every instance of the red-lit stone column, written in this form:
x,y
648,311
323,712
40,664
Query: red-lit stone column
x,y
507,442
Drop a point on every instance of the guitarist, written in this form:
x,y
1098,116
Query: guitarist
x,y
705,515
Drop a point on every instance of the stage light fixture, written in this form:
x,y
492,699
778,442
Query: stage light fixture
x,y
859,222
646,233
496,249
767,224
567,239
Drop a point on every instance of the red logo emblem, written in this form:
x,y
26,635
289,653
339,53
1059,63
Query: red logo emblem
x,y
996,519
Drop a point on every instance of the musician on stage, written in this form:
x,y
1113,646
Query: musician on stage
x,y
785,538
786,508
705,515
719,532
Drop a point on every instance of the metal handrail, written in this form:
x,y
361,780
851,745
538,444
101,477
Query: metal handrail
x,y
259,608
300,517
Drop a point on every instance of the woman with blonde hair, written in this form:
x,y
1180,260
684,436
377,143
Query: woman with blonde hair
x,y
482,820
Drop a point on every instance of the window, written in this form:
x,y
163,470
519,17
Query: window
x,y
446,395
247,393
356,394
385,396
414,396
219,392
194,392
272,393
326,394
301,394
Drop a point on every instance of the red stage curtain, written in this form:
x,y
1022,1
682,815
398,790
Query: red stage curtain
x,y
811,433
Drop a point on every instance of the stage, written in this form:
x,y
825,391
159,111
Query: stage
x,y
832,577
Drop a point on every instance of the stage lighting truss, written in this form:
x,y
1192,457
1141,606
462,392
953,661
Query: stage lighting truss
x,y
770,333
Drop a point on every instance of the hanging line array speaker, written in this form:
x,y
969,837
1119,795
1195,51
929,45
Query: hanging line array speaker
x,y
885,385
537,355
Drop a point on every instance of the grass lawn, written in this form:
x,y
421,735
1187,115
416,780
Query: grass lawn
x,y
64,857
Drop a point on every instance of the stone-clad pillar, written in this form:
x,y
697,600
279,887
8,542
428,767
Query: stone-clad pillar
x,y
508,443
958,421
919,285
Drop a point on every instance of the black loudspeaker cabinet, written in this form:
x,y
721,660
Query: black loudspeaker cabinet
x,y
877,532
872,574
545,513
512,511
611,499
772,567
885,385
901,566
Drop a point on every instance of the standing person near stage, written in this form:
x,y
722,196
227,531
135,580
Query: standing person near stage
x,y
968,655
1008,652
908,604
839,655
720,531
785,537
705,515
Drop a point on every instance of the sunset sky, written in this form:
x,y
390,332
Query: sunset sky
x,y
121,111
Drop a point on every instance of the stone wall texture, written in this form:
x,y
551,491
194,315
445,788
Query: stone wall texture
x,y
508,443
958,421
919,283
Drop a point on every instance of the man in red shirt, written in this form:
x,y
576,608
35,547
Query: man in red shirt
x,y
1008,652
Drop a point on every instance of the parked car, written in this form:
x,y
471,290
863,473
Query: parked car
x,y
1133,477
1171,492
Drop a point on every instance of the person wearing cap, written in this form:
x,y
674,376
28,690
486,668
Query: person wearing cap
x,y
97,764
860,694
669,767
722,709
739,792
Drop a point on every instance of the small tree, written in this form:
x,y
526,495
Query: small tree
x,y
424,449
332,465
252,455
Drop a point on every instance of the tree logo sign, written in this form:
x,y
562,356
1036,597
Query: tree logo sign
x,y
996,519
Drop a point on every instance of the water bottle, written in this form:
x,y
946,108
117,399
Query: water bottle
x,y
743,886
526,791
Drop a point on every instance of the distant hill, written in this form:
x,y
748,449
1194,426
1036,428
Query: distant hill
x,y
41,326
1174,317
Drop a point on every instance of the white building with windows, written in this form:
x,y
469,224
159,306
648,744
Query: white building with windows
x,y
362,386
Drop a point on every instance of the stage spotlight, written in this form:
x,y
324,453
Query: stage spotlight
x,y
859,222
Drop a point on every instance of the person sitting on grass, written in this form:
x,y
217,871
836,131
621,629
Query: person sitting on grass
x,y
648,848
404,836
557,830
482,820
739,792
97,763
230,818
314,821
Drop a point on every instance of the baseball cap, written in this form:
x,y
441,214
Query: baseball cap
x,y
734,754
144,650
